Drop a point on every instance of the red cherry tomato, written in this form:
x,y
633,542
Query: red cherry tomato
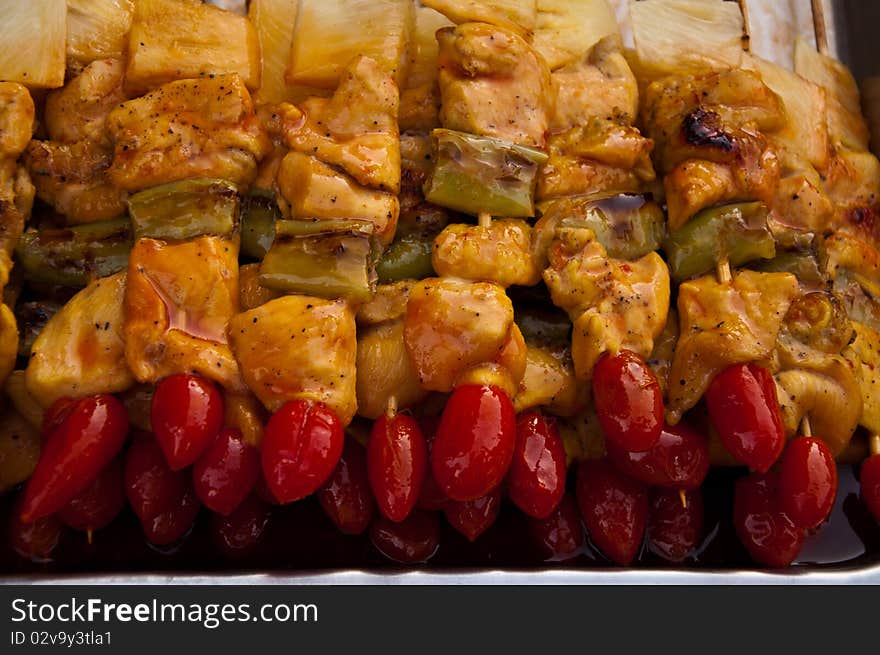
x,y
675,528
744,410
396,461
473,517
346,497
415,539
679,459
869,478
226,473
537,473
763,528
150,485
301,447
474,443
89,437
614,508
37,539
628,401
186,415
99,503
175,522
240,531
807,481
55,415
560,536
431,496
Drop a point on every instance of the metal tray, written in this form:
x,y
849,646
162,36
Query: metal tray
x,y
851,26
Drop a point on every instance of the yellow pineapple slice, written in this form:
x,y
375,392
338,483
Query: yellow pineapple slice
x,y
423,47
97,29
516,15
330,33
32,40
567,29
274,21
178,39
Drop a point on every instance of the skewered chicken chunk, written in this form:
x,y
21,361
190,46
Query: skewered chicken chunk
x,y
493,83
452,325
189,128
549,382
298,347
723,324
613,304
81,351
863,356
16,117
178,300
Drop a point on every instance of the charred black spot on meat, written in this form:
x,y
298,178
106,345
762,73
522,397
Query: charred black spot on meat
x,y
703,128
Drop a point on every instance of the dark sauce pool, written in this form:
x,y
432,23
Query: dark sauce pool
x,y
300,538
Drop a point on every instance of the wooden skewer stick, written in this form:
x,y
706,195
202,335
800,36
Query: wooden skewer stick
x,y
485,219
89,535
684,498
819,27
391,407
723,271
746,37
874,444
806,429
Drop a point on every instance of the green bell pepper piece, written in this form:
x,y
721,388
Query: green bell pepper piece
x,y
186,209
258,216
408,258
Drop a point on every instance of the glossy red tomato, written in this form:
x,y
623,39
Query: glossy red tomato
x,y
807,481
346,497
415,539
174,522
473,517
226,472
679,459
301,447
675,527
186,415
396,461
614,508
763,528
91,434
536,479
37,539
869,478
560,536
238,532
55,415
150,485
99,503
744,410
475,441
628,401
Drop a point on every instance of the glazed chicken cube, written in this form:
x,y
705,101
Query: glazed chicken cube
x,y
863,355
493,83
549,382
612,304
298,347
356,128
190,128
81,350
16,119
499,252
79,110
178,301
452,325
74,179
723,324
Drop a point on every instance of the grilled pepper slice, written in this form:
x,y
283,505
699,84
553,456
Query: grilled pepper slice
x,y
72,256
475,174
258,216
801,264
736,232
407,258
184,210
628,226
328,259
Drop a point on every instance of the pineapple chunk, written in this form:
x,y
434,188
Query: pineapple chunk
x,y
804,107
179,39
274,21
423,47
80,351
679,37
516,15
97,29
330,33
32,42
567,29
